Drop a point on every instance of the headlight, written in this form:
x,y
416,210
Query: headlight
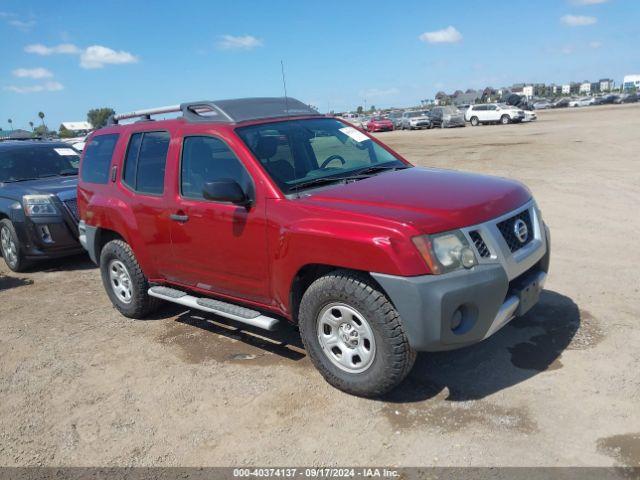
x,y
445,252
36,205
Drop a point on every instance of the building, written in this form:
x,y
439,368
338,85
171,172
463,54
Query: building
x,y
566,89
630,82
606,84
527,91
78,128
585,87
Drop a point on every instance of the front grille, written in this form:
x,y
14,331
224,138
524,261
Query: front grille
x,y
481,247
506,228
72,206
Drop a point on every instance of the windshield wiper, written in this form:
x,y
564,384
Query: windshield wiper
x,y
380,168
317,181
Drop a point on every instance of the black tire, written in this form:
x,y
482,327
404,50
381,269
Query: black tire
x,y
140,304
14,258
505,120
393,356
474,121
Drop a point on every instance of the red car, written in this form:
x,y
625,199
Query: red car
x,y
379,124
262,210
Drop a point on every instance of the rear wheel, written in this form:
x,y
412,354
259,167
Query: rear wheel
x,y
10,246
474,121
354,335
124,281
505,119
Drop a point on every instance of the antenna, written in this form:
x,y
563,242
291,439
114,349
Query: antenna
x,y
284,85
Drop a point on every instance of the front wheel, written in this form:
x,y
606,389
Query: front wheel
x,y
124,281
505,120
354,335
10,246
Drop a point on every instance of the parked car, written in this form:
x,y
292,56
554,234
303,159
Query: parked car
x,y
396,118
493,113
606,99
379,124
257,216
529,116
444,117
415,119
542,105
582,102
630,98
38,210
362,122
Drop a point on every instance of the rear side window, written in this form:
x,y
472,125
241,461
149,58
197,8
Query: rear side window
x,y
97,158
145,162
205,159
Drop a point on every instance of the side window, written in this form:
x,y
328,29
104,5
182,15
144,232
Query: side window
x,y
145,162
491,107
205,159
97,158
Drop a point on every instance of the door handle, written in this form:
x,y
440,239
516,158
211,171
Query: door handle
x,y
177,217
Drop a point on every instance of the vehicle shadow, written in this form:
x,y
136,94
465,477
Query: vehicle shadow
x,y
7,283
525,347
284,341
64,264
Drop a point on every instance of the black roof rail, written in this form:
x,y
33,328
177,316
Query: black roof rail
x,y
227,111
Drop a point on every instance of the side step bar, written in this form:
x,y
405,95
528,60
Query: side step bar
x,y
228,310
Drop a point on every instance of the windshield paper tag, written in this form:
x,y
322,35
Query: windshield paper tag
x,y
355,134
66,152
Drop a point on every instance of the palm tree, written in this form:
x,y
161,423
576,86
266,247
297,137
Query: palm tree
x,y
41,115
31,125
10,124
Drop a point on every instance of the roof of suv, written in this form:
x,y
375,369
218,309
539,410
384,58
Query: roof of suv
x,y
231,111
14,144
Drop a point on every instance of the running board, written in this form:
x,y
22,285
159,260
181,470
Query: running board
x,y
228,310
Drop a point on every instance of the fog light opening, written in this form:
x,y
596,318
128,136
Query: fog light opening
x,y
456,319
45,234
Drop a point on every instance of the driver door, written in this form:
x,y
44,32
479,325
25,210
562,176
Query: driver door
x,y
218,246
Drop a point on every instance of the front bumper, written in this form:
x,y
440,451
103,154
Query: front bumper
x,y
454,310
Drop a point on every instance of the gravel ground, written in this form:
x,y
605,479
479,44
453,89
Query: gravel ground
x,y
81,385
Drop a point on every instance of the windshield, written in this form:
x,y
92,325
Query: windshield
x,y
450,110
40,161
300,152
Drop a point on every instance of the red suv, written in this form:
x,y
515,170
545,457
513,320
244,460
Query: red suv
x,y
261,210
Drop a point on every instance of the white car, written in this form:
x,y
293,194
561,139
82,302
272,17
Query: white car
x,y
493,113
529,116
582,102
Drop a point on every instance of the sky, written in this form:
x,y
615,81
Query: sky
x,y
64,57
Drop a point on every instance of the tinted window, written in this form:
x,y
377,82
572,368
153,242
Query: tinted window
x,y
97,158
299,151
145,163
205,159
30,161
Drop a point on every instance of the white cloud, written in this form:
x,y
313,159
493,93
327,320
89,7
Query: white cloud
x,y
63,48
376,92
97,56
25,26
32,73
595,44
567,49
44,87
588,2
578,20
446,35
242,42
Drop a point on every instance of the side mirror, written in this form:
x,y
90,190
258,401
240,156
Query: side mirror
x,y
226,190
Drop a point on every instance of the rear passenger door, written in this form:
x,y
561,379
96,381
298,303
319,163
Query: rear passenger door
x,y
492,113
218,247
143,182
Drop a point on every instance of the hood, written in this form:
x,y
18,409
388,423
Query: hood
x,y
432,200
64,187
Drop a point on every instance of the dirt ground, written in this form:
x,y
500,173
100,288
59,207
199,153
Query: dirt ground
x,y
81,385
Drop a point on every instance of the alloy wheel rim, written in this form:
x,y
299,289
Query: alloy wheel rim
x,y
346,338
9,250
120,281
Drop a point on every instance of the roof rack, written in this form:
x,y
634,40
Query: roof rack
x,y
226,111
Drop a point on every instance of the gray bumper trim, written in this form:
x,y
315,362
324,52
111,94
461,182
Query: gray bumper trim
x,y
87,237
427,304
